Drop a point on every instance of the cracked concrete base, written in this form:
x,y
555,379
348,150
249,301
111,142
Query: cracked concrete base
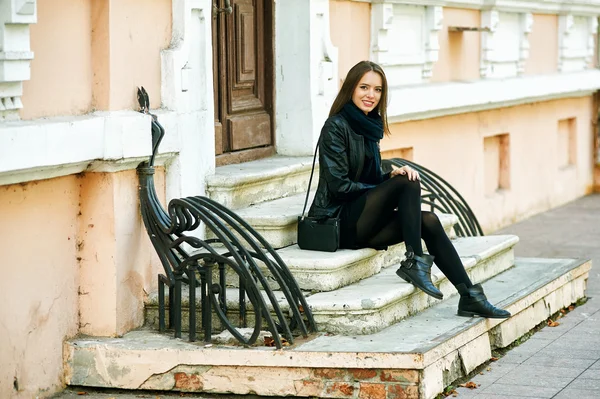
x,y
415,358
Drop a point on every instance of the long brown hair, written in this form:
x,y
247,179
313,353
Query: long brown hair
x,y
353,77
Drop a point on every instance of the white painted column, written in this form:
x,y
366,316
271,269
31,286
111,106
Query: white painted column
x,y
305,74
187,89
15,54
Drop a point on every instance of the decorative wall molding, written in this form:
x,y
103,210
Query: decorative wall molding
x,y
435,100
490,20
526,27
433,24
15,54
505,46
418,28
577,7
576,42
113,141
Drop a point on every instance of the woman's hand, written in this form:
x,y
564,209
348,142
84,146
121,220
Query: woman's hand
x,y
405,170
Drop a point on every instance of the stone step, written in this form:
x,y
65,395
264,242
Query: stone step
x,y
241,185
277,220
413,359
383,299
327,271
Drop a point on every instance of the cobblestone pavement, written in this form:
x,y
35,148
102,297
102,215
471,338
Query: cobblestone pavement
x,y
556,362
563,361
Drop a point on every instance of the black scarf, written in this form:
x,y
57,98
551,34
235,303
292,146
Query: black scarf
x,y
369,126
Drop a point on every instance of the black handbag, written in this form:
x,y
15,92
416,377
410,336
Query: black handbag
x,y
317,234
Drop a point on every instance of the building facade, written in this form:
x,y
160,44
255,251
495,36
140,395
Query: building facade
x,y
498,97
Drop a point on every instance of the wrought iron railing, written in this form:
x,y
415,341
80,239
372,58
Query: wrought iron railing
x,y
439,195
238,252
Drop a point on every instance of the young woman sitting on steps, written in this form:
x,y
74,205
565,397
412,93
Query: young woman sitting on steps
x,y
375,209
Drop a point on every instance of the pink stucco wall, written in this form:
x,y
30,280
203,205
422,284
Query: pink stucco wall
x,y
93,54
350,24
76,258
543,45
458,58
138,31
455,148
61,71
39,285
118,263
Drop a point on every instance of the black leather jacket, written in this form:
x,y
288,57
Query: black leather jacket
x,y
341,160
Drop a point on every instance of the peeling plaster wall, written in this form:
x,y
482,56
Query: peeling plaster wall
x,y
39,268
76,258
455,148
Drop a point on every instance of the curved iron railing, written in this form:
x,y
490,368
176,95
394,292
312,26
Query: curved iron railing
x,y
440,195
238,250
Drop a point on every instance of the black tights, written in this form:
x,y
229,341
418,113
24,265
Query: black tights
x,y
392,214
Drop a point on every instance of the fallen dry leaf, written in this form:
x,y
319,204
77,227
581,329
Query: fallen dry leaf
x,y
493,359
481,373
452,392
301,309
563,311
552,323
82,393
571,308
470,385
489,369
269,341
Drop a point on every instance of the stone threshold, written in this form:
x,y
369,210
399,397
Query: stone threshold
x,y
415,358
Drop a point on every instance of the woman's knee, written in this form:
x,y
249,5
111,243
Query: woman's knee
x,y
430,222
402,182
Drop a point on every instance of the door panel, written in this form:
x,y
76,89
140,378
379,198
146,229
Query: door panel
x,y
250,131
242,50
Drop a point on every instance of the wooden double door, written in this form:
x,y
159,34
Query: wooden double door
x,y
243,80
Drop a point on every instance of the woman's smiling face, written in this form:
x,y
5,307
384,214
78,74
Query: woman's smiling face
x,y
368,91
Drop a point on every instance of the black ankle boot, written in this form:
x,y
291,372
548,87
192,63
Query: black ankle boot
x,y
417,271
473,302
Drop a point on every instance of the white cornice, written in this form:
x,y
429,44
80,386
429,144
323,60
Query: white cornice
x,y
103,141
112,141
581,7
434,100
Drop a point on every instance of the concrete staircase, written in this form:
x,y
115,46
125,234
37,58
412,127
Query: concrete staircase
x,y
379,336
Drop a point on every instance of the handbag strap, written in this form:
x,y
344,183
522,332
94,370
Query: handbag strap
x,y
310,180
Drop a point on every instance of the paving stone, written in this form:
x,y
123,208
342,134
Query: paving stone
x,y
549,333
572,344
593,354
516,358
532,345
569,393
508,390
595,366
586,384
591,373
544,359
537,375
503,396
